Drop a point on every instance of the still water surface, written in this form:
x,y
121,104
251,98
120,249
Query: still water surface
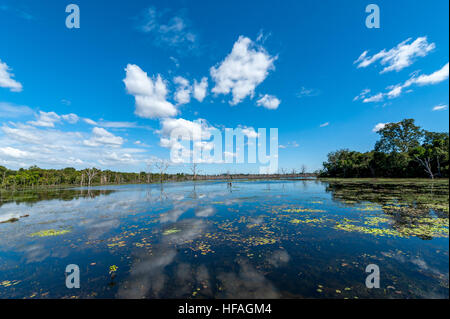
x,y
257,239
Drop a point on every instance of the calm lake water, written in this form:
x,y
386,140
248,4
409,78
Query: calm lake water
x,y
257,239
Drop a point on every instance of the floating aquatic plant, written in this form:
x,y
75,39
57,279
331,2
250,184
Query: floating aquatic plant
x,y
303,210
113,269
171,231
50,232
8,283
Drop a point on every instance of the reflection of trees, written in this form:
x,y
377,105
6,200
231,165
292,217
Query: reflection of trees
x,y
409,205
194,191
162,195
33,196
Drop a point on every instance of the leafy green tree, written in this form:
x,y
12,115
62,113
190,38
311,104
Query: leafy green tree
x,y
399,137
404,150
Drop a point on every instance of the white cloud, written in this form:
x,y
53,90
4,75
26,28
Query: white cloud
x,y
196,130
434,78
117,124
89,121
103,137
269,102
6,78
183,92
399,57
8,110
17,12
13,152
305,92
175,61
362,95
422,80
46,119
375,98
200,89
24,145
249,132
174,31
66,102
150,95
325,124
112,124
71,118
242,71
379,126
292,144
440,107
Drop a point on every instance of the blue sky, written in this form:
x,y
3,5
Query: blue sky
x,y
301,68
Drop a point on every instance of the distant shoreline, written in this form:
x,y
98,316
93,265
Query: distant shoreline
x,y
171,179
242,177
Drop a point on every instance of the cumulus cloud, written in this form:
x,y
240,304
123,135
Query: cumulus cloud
x,y
193,130
242,71
6,78
183,92
397,90
269,102
399,57
49,119
46,119
23,145
174,134
100,136
249,132
71,118
150,94
379,126
200,89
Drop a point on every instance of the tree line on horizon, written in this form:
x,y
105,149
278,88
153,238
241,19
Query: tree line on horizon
x,y
404,150
35,177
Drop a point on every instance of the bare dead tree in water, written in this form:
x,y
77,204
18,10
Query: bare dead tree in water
x,y
91,172
194,170
303,169
426,163
162,166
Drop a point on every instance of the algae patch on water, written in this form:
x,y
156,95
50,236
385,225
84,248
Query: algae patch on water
x,y
49,232
419,227
171,231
